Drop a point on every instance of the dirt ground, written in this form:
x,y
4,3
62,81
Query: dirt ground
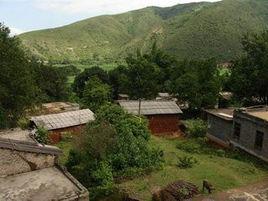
x,y
254,192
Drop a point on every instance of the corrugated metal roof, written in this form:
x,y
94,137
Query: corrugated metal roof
x,y
151,107
64,120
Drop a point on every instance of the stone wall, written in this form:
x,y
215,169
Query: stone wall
x,y
14,162
249,126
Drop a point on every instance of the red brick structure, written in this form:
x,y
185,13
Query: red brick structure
x,y
55,136
166,123
163,116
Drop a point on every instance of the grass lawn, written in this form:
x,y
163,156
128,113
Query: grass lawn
x,y
223,173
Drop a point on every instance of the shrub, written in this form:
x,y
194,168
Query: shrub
x,y
220,152
42,135
196,128
186,162
23,123
113,146
103,178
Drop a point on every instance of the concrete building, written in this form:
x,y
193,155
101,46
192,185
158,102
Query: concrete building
x,y
163,116
56,124
250,131
220,125
245,128
30,171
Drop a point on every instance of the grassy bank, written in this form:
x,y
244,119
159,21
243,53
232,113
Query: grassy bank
x,y
224,172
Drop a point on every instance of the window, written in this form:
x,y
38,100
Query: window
x,y
237,128
259,140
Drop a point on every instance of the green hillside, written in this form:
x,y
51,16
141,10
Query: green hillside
x,y
195,30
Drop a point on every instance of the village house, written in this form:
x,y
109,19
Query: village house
x,y
163,116
56,124
250,131
245,128
220,125
30,171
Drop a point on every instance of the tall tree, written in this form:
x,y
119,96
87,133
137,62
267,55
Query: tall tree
x,y
142,77
87,74
51,81
249,77
96,93
17,86
196,82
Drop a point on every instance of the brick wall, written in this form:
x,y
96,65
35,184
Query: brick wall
x,y
55,136
164,124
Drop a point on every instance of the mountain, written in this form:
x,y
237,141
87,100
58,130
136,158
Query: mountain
x,y
194,30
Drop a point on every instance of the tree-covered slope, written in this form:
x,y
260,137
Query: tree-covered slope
x,y
196,30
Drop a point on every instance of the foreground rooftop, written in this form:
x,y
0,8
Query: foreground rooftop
x,y
41,185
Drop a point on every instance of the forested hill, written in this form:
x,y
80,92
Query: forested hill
x,y
195,30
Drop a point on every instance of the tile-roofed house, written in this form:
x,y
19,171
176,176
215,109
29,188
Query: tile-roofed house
x,y
30,171
151,107
163,115
71,121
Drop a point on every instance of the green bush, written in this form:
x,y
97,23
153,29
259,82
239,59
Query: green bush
x,y
220,152
114,146
42,135
196,128
186,162
23,123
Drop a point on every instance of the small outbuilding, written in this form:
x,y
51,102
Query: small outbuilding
x,y
220,125
163,116
56,124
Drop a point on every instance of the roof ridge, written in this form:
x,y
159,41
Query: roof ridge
x,y
24,146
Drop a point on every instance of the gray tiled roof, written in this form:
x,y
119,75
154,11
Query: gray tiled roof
x,y
151,107
64,120
25,146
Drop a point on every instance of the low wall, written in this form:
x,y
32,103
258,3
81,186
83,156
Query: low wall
x,y
15,162
163,124
55,136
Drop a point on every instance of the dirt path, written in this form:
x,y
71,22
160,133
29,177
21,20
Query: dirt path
x,y
254,192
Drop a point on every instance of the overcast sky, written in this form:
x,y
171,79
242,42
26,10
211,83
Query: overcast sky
x,y
27,15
